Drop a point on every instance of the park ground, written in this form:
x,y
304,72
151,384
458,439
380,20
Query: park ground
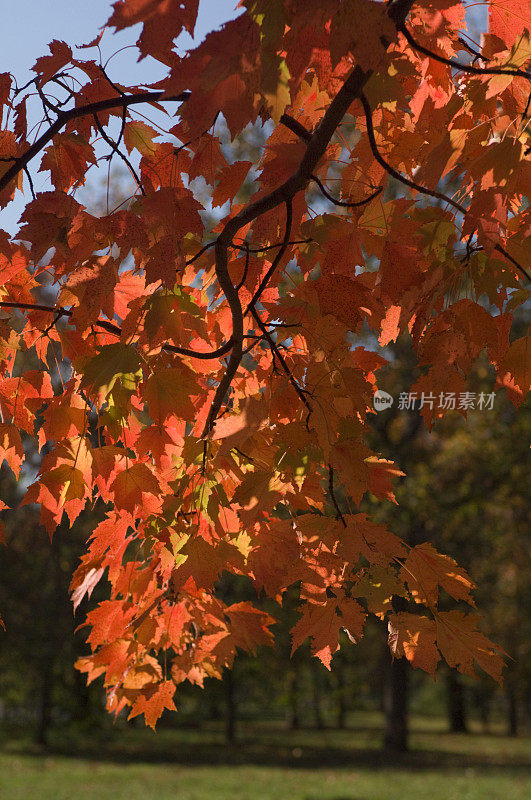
x,y
267,763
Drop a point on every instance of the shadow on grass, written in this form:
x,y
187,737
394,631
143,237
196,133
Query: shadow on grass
x,y
203,748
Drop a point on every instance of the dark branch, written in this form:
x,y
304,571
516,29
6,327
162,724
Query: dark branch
x,y
200,252
296,127
82,111
333,494
518,266
315,149
245,270
274,348
30,181
343,203
270,246
456,64
110,327
391,170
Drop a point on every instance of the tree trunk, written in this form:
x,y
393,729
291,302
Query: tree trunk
x,y
293,715
455,702
45,705
52,600
342,695
230,706
512,711
484,710
316,696
396,705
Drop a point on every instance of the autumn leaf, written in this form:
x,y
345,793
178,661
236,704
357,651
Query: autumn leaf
x,y
113,362
517,362
359,26
425,570
140,136
11,448
322,623
163,21
414,637
230,181
462,645
250,626
152,703
47,66
168,392
136,486
87,586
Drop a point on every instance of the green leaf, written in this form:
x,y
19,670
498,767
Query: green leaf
x,y
113,362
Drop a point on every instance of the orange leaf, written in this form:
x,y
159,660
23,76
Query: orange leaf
x,y
136,487
11,448
425,570
414,637
462,644
152,703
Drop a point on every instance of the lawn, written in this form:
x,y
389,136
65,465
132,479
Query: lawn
x,y
269,764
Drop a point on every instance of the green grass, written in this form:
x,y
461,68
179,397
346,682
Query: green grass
x,y
268,764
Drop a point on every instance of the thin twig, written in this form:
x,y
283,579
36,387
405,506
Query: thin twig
x,y
272,344
343,203
276,261
391,170
76,113
333,494
110,327
115,149
456,64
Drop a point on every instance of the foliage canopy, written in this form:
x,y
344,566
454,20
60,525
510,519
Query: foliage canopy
x,y
211,387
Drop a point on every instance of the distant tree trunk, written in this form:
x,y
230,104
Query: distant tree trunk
x,y
396,695
51,605
455,701
316,696
45,705
512,711
483,702
293,715
342,695
230,706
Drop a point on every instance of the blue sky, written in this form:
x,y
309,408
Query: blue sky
x,y
31,24
35,23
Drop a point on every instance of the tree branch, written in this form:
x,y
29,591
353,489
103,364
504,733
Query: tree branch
x,y
391,170
296,127
82,111
456,64
272,344
315,149
110,327
515,263
343,203
333,495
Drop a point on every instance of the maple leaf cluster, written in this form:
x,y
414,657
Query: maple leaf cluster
x,y
204,385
